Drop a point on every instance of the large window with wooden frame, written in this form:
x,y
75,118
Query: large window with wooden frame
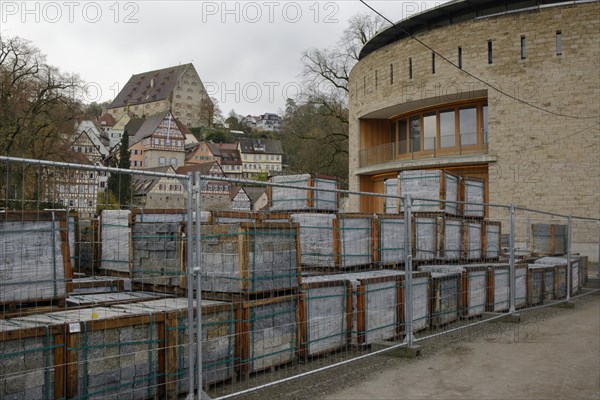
x,y
447,129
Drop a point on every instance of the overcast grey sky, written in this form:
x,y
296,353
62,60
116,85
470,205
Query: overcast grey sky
x,y
246,52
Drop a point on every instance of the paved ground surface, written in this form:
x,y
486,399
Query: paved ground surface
x,y
553,353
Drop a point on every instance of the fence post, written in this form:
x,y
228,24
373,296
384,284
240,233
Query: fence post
x,y
190,285
408,289
512,259
197,268
569,259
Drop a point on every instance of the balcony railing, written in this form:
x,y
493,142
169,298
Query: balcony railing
x,y
425,148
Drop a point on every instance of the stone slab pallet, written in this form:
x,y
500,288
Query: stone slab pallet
x,y
434,187
389,240
219,340
472,191
35,260
548,239
444,299
246,258
97,284
338,241
312,196
324,315
32,360
267,333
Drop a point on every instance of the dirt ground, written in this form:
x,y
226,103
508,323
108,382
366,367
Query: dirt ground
x,y
553,353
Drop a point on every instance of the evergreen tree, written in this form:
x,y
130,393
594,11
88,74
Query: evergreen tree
x,y
120,184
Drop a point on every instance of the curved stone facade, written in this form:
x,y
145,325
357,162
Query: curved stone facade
x,y
533,158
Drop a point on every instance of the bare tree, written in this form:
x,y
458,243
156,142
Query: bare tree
x,y
326,72
38,104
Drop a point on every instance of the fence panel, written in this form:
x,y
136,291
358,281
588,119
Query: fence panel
x,y
152,284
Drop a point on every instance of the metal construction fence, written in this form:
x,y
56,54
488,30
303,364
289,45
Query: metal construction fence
x,y
146,284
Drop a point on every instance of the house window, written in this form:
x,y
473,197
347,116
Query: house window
x,y
162,161
71,203
429,131
558,43
415,133
523,51
433,62
468,125
447,128
490,59
156,141
174,162
410,68
391,74
460,57
161,186
90,203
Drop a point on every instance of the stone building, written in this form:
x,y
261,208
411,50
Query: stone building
x,y
519,108
178,89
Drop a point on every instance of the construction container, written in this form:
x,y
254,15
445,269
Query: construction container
x,y
324,315
314,193
548,239
472,193
35,262
430,188
249,258
268,329
390,242
341,241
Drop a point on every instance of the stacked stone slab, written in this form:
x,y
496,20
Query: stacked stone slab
x,y
312,194
268,333
390,238
219,340
472,237
391,188
562,264
491,240
339,241
157,253
473,196
445,292
249,258
28,363
549,239
116,352
498,287
34,257
324,315
430,188
114,235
